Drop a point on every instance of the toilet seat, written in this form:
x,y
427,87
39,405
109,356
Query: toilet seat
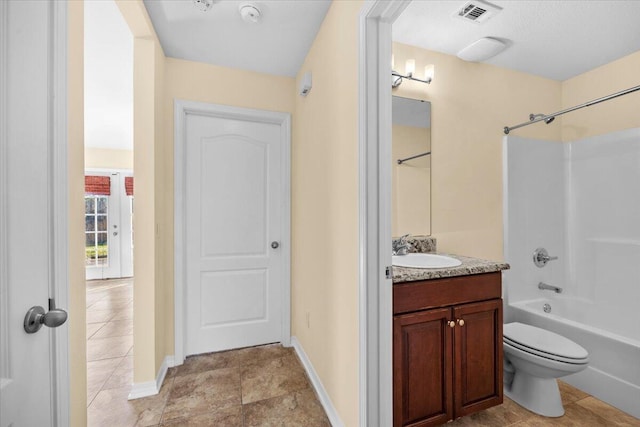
x,y
543,343
544,355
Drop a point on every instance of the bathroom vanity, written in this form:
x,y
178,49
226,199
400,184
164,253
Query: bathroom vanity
x,y
447,341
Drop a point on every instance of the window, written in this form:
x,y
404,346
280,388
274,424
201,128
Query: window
x,y
96,231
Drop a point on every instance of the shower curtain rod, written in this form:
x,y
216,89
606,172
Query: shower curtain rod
x,y
401,161
577,107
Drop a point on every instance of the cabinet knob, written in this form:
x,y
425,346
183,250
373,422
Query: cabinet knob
x,y
460,322
451,323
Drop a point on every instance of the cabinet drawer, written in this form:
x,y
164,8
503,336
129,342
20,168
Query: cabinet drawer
x,y
426,294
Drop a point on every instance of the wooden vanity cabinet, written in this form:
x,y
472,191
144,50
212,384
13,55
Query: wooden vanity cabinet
x,y
447,348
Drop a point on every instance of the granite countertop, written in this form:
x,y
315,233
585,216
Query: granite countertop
x,y
469,266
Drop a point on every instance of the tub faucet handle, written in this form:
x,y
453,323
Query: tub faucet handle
x,y
541,257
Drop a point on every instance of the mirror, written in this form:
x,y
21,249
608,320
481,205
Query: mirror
x,y
411,169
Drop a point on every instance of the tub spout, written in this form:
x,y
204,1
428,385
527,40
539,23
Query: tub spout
x,y
544,286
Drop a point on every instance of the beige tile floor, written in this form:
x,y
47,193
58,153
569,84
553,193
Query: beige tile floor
x,y
259,386
581,410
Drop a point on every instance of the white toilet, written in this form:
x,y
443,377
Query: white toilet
x,y
534,358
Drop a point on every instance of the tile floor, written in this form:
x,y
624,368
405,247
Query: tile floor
x,y
259,386
109,338
581,410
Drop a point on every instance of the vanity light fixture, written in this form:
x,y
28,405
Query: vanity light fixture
x,y
410,68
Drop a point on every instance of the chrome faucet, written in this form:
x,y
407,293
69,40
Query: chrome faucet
x,y
541,257
544,286
400,246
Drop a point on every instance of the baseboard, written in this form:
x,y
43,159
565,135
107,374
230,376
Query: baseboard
x,y
150,388
332,414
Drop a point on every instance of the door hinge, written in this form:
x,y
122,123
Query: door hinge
x,y
388,271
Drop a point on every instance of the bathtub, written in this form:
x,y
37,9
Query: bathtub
x,y
613,374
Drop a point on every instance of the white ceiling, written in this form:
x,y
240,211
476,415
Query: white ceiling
x,y
550,38
277,44
108,77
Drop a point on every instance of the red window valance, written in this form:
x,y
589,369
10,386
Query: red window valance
x,y
128,185
97,185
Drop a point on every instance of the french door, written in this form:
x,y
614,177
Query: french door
x,y
108,226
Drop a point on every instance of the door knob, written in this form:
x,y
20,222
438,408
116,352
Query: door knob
x,y
275,244
36,317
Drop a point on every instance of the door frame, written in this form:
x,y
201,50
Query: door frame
x,y
181,109
374,163
58,199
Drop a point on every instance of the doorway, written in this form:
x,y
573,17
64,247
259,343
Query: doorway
x,y
232,228
108,205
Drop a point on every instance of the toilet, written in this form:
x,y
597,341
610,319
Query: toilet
x,y
533,359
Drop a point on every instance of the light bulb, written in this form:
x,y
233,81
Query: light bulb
x,y
429,72
410,67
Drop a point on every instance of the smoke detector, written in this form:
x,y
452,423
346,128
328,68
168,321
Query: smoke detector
x,y
250,13
203,5
477,11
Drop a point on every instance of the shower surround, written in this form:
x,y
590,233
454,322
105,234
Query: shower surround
x,y
580,201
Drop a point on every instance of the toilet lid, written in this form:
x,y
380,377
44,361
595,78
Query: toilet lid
x,y
543,341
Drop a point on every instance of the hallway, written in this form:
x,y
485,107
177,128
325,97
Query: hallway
x,y
256,386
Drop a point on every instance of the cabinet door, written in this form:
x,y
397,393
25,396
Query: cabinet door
x,y
478,356
422,368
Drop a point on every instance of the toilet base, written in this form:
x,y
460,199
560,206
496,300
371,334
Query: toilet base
x,y
539,395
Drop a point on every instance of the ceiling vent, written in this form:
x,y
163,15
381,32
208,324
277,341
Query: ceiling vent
x,y
477,11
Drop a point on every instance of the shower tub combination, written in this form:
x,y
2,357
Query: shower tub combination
x,y
579,201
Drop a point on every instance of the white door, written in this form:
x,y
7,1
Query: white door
x,y
108,229
235,253
32,190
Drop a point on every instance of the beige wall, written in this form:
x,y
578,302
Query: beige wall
x,y
75,167
158,81
149,292
108,158
325,209
616,114
411,181
471,103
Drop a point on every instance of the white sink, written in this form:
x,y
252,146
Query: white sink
x,y
425,261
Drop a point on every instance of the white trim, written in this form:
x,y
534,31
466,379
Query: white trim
x,y
323,396
375,291
181,109
60,202
105,170
151,388
179,233
4,141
